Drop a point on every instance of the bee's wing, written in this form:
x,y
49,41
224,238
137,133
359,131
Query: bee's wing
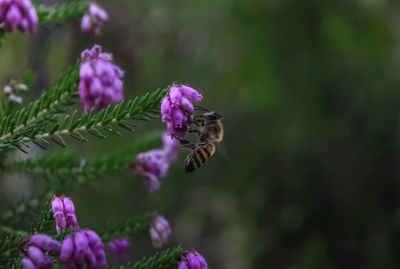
x,y
223,150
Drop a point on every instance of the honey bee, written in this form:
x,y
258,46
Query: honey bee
x,y
210,130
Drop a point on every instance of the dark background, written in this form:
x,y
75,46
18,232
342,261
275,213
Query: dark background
x,y
310,93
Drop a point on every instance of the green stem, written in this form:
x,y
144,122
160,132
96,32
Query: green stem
x,y
165,259
10,230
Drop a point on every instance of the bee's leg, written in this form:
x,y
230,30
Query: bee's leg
x,y
194,146
190,146
184,142
194,131
191,130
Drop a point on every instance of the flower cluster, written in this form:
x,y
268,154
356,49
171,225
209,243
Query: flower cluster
x,y
64,213
177,109
11,90
100,80
120,249
153,165
18,15
83,249
95,18
191,259
160,230
33,251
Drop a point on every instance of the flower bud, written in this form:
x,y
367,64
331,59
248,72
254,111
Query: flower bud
x,y
15,98
86,24
18,15
69,211
191,259
28,263
83,249
96,17
37,256
160,230
120,249
45,242
67,248
57,206
171,146
64,212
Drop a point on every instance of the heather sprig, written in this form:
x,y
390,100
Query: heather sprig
x,y
10,239
165,259
109,120
16,126
66,166
61,13
22,214
9,243
122,227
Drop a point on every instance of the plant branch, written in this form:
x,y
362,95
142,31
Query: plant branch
x,y
9,230
66,167
123,227
165,259
15,126
110,119
61,13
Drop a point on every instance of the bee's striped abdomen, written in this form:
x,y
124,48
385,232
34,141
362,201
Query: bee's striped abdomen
x,y
199,156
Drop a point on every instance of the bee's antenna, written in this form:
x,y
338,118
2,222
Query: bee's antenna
x,y
201,108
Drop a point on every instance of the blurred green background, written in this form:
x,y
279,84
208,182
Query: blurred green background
x,y
310,93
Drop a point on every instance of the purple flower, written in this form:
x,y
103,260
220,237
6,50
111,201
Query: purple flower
x,y
177,110
95,18
100,80
171,146
83,249
18,15
191,259
151,166
160,230
120,249
33,252
64,212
